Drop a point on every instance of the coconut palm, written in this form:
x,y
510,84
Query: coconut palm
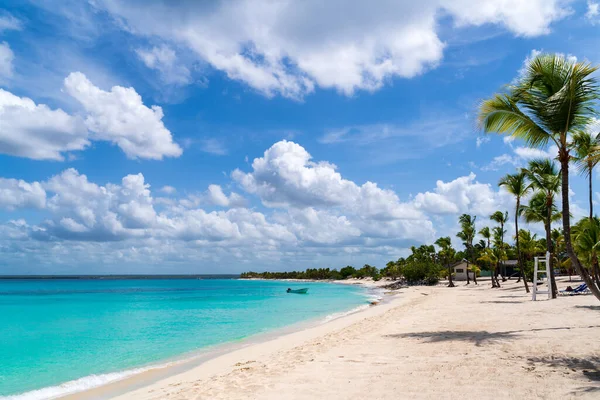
x,y
467,234
586,238
486,234
552,99
586,154
502,219
447,254
544,177
517,185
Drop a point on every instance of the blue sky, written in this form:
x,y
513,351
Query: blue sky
x,y
199,137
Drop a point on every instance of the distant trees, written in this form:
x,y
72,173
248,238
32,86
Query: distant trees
x,y
318,274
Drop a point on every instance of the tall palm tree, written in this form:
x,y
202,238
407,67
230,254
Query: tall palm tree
x,y
545,178
552,99
586,152
517,185
501,218
447,253
467,234
486,234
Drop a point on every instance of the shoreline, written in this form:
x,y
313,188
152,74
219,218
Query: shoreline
x,y
421,344
291,335
113,384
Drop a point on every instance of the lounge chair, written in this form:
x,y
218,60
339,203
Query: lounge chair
x,y
577,290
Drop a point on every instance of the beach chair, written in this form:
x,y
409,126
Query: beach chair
x,y
583,290
574,291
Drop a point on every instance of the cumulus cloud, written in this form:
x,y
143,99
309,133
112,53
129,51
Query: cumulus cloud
x,y
462,195
6,62
288,48
213,146
120,117
217,197
37,131
164,60
316,216
286,177
16,194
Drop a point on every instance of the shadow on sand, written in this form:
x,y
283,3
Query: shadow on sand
x,y
589,367
478,338
595,308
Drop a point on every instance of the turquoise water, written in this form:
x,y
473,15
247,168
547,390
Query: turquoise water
x,y
56,331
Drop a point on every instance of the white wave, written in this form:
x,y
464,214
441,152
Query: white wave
x,y
79,385
333,316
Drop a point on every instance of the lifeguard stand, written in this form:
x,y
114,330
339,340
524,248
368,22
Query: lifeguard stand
x,y
536,271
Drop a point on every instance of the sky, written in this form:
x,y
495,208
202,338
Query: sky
x,y
225,136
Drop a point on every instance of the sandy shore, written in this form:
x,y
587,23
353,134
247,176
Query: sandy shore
x,y
427,342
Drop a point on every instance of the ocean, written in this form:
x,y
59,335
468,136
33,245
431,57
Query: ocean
x,y
61,336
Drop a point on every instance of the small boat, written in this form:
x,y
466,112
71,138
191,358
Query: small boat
x,y
298,291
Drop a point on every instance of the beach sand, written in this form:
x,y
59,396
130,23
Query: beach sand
x,y
427,342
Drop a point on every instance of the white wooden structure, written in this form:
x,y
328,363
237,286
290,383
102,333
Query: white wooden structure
x,y
536,271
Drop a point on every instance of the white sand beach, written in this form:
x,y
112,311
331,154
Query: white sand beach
x,y
427,342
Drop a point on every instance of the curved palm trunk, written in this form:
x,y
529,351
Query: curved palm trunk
x,y
474,272
468,279
564,163
519,259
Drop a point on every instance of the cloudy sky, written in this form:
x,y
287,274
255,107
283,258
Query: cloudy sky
x,y
206,137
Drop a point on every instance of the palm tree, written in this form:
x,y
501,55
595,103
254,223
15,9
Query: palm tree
x,y
586,148
486,234
502,219
538,211
516,184
544,177
586,238
553,98
447,254
467,234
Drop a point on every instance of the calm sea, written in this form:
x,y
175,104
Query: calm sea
x,y
66,335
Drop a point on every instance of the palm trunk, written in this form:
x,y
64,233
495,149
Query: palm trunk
x,y
474,272
468,279
450,284
564,164
519,259
549,250
590,168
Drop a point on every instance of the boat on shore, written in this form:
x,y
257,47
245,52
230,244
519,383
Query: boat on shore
x,y
297,291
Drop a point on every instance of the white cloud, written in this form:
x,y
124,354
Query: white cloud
x,y
9,22
164,60
217,197
168,189
482,139
286,177
20,194
213,146
120,116
6,62
288,48
529,153
36,131
593,11
499,161
462,195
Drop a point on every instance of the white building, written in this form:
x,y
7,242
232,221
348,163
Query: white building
x,y
460,271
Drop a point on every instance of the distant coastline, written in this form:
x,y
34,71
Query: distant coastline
x,y
118,277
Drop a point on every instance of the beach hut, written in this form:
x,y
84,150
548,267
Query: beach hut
x,y
460,271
